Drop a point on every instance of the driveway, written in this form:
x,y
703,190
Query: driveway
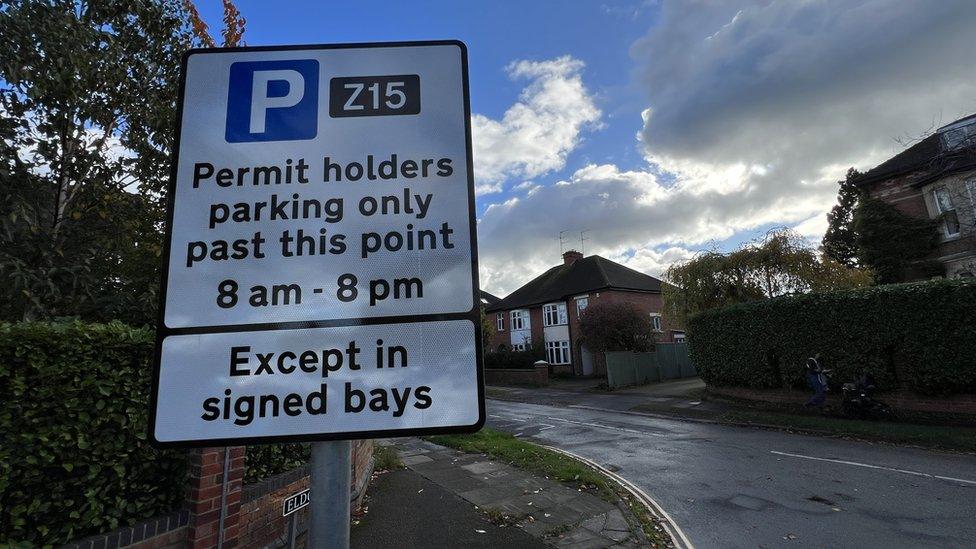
x,y
729,486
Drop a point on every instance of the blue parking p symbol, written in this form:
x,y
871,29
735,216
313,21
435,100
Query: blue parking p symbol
x,y
272,101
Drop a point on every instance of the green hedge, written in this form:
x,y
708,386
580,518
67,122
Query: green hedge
x,y
515,359
916,336
73,451
268,460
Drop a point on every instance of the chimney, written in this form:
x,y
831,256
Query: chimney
x,y
571,256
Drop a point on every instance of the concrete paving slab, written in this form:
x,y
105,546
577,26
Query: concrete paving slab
x,y
413,460
484,467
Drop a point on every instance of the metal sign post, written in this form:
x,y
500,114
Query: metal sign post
x,y
321,276
331,489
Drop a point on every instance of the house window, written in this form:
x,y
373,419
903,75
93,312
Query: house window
x,y
500,322
949,218
526,343
520,320
656,322
679,337
554,314
558,352
581,303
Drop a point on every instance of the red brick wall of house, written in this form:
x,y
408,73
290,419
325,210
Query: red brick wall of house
x,y
898,192
646,302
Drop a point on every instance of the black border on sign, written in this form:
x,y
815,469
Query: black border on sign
x,y
473,315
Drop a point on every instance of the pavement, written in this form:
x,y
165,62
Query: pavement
x,y
443,499
731,486
446,520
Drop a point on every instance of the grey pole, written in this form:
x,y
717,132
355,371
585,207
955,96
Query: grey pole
x,y
328,526
223,498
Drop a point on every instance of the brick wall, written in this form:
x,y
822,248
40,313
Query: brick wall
x,y
253,513
899,192
261,521
167,532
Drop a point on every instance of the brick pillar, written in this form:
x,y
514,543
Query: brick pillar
x,y
206,475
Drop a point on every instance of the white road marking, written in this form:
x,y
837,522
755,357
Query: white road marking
x,y
870,466
598,425
546,426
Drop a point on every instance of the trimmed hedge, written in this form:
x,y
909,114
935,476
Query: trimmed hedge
x,y
74,454
261,462
515,359
918,336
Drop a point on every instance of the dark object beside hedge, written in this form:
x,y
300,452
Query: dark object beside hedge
x,y
74,454
918,337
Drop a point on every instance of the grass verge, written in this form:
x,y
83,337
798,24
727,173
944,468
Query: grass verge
x,y
385,458
930,436
531,457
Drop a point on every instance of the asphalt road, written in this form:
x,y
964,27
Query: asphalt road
x,y
731,486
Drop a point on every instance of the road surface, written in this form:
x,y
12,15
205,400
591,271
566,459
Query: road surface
x,y
731,486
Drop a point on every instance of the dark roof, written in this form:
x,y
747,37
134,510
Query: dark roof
x,y
489,299
921,157
914,158
584,275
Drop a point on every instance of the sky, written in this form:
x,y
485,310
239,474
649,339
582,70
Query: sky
x,y
662,128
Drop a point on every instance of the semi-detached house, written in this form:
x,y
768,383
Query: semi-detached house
x,y
548,309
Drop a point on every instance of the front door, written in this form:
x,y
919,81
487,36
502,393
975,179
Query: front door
x,y
586,359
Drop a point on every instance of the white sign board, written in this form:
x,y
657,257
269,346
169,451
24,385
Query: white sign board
x,y
321,276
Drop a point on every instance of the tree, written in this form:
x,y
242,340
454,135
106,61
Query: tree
x,y
487,331
840,241
616,327
778,264
88,94
894,245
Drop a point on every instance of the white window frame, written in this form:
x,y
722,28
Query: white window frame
x,y
558,352
657,325
582,302
554,314
942,211
500,322
679,336
520,320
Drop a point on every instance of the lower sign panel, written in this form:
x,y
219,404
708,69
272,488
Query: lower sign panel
x,y
318,383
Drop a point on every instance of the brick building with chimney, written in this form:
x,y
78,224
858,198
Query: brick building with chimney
x,y
936,178
547,310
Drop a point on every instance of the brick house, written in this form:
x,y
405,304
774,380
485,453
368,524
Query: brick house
x,y
547,309
936,178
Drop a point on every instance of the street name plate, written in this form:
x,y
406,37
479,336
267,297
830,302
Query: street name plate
x,y
321,262
295,502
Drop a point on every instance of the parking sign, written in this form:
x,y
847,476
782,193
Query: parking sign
x,y
321,264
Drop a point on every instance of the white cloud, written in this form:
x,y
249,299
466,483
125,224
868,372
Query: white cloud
x,y
630,216
755,110
536,134
792,93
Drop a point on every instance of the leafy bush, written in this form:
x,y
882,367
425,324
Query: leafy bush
x,y
261,462
916,336
74,455
616,327
508,358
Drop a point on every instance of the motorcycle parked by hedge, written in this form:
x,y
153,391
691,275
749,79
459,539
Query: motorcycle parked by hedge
x,y
860,403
